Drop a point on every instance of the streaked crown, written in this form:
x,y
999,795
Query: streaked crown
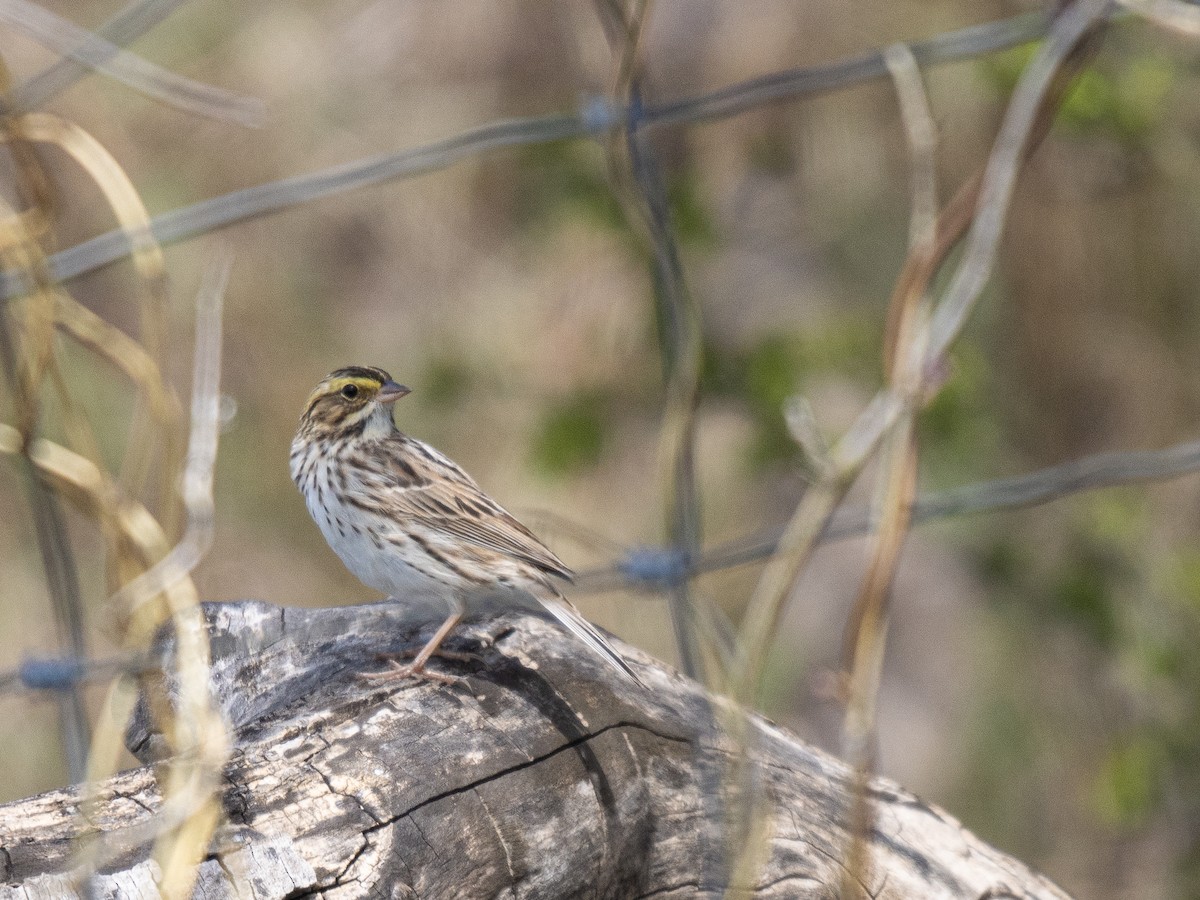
x,y
346,398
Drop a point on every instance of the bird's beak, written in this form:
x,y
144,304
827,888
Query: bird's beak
x,y
390,392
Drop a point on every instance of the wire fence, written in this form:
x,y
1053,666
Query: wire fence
x,y
658,569
598,117
924,329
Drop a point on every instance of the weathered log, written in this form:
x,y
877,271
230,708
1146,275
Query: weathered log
x,y
540,774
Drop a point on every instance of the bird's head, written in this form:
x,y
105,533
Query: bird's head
x,y
356,400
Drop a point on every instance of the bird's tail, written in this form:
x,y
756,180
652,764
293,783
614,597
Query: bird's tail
x,y
574,621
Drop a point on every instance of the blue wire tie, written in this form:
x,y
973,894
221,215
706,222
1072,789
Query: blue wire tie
x,y
51,674
655,566
636,110
599,115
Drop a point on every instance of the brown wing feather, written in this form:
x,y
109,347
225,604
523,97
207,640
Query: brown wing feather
x,y
412,480
449,501
506,535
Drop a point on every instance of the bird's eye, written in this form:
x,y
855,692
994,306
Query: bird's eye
x,y
350,391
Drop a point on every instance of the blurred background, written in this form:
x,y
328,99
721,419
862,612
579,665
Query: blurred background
x,y
1043,681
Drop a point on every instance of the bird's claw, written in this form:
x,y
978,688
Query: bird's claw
x,y
399,672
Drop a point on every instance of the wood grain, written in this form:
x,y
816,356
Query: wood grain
x,y
542,773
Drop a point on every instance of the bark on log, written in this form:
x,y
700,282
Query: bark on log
x,y
541,774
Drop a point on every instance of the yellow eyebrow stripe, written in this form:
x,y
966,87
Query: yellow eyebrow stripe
x,y
371,384
332,387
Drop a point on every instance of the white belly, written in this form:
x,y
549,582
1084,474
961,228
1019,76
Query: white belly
x,y
363,541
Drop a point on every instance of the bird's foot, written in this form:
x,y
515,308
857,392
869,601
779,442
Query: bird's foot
x,y
397,671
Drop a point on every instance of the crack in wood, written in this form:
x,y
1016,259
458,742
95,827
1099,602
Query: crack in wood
x,y
340,876
504,773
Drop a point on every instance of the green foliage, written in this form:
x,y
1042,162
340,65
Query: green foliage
x,y
1116,517
1126,105
565,180
1185,577
571,435
693,224
1001,560
771,374
762,376
772,152
1078,583
1082,596
771,369
445,382
1162,778
1097,567
1004,738
1142,708
958,428
766,373
1084,592
569,180
1127,789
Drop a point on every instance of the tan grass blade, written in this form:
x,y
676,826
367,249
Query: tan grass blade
x,y
156,406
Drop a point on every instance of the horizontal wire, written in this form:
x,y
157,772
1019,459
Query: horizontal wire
x,y
94,52
953,46
658,568
597,116
67,673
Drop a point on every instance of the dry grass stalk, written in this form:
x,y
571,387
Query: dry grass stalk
x,y
897,481
138,542
921,342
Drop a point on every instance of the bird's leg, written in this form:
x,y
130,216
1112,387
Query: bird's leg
x,y
416,668
430,648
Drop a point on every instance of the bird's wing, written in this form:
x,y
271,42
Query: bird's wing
x,y
416,482
484,523
430,488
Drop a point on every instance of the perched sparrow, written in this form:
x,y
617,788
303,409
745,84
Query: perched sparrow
x,y
405,519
